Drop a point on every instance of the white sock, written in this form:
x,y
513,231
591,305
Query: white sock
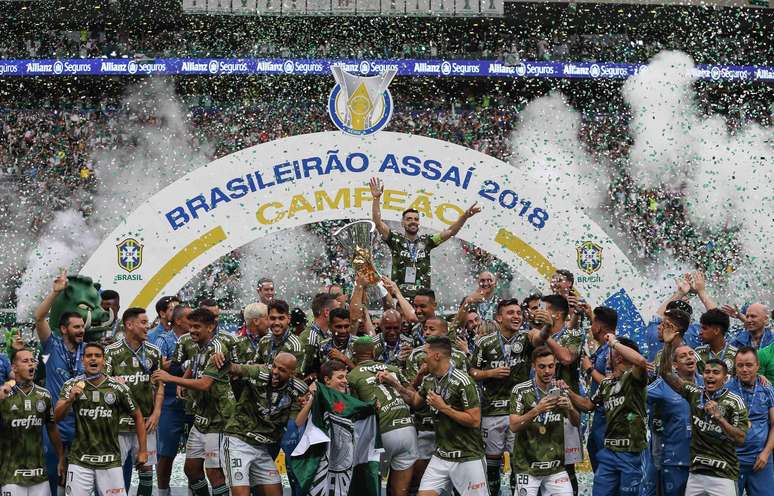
x,y
163,492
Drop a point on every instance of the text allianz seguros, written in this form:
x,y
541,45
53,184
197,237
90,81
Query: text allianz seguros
x,y
406,67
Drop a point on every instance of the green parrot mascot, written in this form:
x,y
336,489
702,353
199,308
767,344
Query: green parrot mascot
x,y
82,296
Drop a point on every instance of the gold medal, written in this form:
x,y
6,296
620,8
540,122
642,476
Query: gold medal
x,y
542,429
81,384
11,383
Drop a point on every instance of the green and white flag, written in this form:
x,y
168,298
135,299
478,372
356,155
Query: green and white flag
x,y
339,451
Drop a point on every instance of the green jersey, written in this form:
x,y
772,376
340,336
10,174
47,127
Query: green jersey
x,y
268,347
22,417
390,354
330,344
571,339
494,351
712,451
211,408
727,354
623,399
424,420
539,448
245,349
134,369
310,341
262,412
97,413
455,442
411,260
185,350
766,359
394,413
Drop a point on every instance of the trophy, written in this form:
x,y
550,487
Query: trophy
x,y
358,240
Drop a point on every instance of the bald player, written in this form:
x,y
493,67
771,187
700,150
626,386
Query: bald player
x,y
757,331
258,423
391,346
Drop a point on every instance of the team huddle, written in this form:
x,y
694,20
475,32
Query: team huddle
x,y
453,394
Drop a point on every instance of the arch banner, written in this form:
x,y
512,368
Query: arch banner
x,y
310,178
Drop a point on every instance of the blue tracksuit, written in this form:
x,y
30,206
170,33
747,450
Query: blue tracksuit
x,y
758,400
597,435
669,416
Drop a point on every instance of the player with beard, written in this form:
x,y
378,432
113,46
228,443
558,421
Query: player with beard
x,y
279,337
25,408
669,417
756,476
98,402
322,305
256,317
396,427
391,347
538,411
416,370
410,250
212,404
258,423
452,395
502,361
719,425
131,362
339,345
65,361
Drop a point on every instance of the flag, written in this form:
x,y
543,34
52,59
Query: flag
x,y
338,453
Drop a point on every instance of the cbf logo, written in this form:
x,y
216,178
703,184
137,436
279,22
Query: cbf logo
x,y
589,256
129,254
360,105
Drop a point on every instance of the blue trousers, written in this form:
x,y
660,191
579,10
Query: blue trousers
x,y
618,473
288,443
673,479
49,453
758,483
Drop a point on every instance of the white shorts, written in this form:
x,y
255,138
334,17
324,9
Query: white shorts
x,y
497,435
248,465
707,485
400,447
555,484
128,442
41,489
425,444
204,446
82,480
468,478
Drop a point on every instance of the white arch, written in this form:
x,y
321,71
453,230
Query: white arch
x,y
309,178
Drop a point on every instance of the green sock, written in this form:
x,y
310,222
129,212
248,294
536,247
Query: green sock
x,y
221,490
145,487
200,487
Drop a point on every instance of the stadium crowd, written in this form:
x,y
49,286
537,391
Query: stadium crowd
x,y
688,410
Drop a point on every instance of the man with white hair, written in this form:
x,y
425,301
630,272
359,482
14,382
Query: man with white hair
x,y
757,332
256,317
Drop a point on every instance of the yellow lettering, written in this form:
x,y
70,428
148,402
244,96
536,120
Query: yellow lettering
x,y
422,204
299,203
362,195
261,213
394,200
440,212
342,197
